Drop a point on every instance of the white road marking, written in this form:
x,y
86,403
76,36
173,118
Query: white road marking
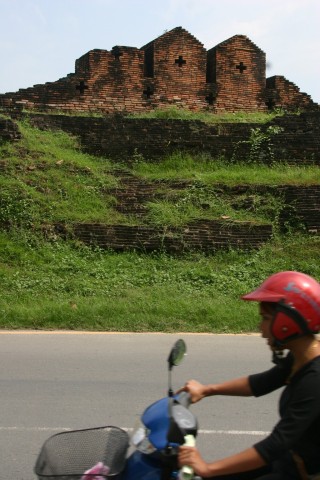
x,y
234,432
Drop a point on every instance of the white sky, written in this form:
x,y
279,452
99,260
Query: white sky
x,y
41,39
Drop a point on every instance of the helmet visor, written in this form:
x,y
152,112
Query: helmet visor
x,y
262,295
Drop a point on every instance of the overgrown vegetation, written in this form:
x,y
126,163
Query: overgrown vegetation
x,y
47,179
64,284
205,201
69,286
174,112
208,170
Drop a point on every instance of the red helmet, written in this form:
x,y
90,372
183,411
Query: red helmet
x,y
297,296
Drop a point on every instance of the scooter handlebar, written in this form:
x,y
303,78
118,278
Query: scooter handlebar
x,y
186,472
184,399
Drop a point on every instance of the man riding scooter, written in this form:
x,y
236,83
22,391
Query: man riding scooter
x,y
289,306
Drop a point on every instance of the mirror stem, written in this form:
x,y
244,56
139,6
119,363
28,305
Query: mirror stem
x,y
170,391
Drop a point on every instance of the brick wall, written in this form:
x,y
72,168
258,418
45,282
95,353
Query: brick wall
x,y
173,69
8,130
301,207
204,235
281,93
299,141
178,73
239,73
302,203
111,81
122,138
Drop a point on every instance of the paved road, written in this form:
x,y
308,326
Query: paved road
x,y
55,381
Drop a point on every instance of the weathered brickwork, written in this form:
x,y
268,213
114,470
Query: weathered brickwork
x,y
237,68
301,206
9,130
284,94
299,139
117,137
174,69
202,235
301,202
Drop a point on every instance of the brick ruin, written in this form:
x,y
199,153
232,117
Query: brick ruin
x,y
123,138
173,70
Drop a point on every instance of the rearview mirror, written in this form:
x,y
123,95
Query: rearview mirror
x,y
177,353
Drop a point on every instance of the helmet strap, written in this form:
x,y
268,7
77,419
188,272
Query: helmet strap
x,y
277,357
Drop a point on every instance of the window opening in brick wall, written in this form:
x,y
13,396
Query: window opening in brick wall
x,y
270,104
241,67
148,92
149,62
180,61
210,98
82,87
211,69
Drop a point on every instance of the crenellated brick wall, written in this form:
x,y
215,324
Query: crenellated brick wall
x,y
174,69
284,94
238,69
113,81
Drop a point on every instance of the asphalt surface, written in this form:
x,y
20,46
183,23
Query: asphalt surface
x,y
54,381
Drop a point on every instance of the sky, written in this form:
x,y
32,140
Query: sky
x,y
41,39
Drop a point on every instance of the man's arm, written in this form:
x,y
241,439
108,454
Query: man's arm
x,y
244,461
237,387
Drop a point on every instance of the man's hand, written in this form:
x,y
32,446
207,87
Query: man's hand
x,y
191,457
195,389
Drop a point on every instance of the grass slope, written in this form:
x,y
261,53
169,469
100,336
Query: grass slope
x,y
50,283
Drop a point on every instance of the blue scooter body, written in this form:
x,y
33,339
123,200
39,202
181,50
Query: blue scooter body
x,y
140,466
149,467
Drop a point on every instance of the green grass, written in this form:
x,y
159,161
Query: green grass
x,y
173,112
48,284
68,286
206,169
49,179
203,198
208,117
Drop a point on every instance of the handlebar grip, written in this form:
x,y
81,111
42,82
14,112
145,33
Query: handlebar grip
x,y
186,472
184,399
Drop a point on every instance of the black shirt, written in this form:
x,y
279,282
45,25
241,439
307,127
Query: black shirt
x,y
299,426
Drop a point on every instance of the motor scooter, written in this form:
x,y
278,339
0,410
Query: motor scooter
x,y
100,453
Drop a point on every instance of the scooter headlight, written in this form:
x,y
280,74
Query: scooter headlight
x,y
140,439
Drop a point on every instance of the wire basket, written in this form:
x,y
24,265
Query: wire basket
x,y
68,455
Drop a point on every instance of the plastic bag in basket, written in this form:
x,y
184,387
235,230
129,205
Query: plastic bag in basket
x,y
96,472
